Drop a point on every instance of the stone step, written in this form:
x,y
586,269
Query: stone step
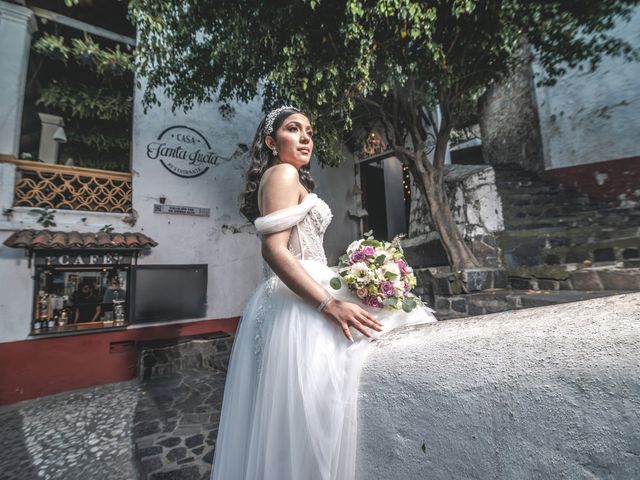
x,y
575,277
543,199
578,219
526,248
562,236
619,250
547,211
504,173
502,300
507,190
473,280
590,211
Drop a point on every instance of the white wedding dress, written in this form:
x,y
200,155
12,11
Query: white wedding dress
x,y
290,400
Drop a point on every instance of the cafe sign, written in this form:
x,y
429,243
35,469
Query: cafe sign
x,y
85,260
183,151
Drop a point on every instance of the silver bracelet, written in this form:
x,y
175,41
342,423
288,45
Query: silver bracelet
x,y
324,302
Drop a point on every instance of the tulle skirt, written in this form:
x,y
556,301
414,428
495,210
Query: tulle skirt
x,y
290,402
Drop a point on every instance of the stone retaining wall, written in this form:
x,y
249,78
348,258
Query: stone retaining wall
x,y
157,358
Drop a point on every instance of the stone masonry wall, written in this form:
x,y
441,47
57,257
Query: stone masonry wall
x,y
509,122
477,210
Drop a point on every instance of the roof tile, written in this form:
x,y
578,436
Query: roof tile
x,y
56,240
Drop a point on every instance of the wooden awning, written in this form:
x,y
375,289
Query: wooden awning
x,y
55,240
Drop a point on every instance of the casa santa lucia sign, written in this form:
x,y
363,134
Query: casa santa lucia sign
x,y
183,151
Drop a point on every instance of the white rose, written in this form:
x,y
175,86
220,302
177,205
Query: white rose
x,y
362,271
391,267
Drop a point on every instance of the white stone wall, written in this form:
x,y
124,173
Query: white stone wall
x,y
473,199
550,392
592,117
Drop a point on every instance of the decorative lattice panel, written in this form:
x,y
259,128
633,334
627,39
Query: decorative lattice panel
x,y
71,188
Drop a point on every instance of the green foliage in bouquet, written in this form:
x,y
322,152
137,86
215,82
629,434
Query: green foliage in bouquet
x,y
378,273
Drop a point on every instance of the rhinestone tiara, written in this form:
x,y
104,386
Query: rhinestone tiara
x,y
273,114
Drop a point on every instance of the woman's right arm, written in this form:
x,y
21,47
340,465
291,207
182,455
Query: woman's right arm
x,y
281,190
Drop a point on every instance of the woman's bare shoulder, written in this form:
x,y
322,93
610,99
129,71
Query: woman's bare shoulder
x,y
279,187
283,172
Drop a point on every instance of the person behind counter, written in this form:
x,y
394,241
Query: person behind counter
x,y
87,306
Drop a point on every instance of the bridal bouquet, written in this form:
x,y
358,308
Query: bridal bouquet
x,y
378,273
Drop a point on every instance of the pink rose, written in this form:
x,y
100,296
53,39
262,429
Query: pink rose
x,y
357,256
369,250
372,301
402,265
387,289
361,292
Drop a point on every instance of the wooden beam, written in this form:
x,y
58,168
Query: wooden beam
x,y
29,165
85,27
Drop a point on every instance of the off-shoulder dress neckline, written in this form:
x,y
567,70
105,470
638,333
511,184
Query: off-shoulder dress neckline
x,y
307,198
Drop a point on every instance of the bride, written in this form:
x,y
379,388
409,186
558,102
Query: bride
x,y
289,409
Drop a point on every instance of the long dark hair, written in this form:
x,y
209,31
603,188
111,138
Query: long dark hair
x,y
261,159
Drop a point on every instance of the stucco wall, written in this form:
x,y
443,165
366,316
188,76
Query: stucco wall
x,y
593,117
224,240
549,392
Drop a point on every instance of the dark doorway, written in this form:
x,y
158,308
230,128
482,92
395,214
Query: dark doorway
x,y
386,196
373,198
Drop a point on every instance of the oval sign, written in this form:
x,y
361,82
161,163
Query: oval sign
x,y
183,151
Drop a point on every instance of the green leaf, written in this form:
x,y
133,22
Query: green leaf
x,y
390,275
380,259
408,304
391,301
372,243
335,283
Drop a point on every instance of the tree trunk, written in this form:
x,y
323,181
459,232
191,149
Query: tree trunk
x,y
430,179
433,191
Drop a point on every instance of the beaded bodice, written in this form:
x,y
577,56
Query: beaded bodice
x,y
308,220
306,238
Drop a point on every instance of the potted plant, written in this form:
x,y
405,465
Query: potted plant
x,y
52,46
115,62
87,51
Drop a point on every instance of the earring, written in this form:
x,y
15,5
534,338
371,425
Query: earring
x,y
275,152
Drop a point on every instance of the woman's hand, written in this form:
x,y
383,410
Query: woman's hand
x,y
348,314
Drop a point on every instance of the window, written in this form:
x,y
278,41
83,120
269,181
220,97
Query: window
x,y
80,291
79,93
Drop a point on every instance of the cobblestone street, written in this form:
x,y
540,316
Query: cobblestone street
x,y
161,429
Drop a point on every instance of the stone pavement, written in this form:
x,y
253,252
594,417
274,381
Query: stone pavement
x,y
162,429
176,423
75,435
